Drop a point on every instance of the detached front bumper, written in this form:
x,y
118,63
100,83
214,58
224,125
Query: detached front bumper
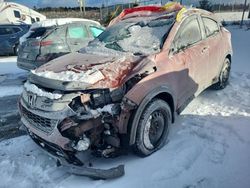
x,y
103,174
67,158
59,147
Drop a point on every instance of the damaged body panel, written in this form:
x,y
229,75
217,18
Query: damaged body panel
x,y
124,90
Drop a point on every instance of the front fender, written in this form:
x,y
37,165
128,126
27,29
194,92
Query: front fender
x,y
142,100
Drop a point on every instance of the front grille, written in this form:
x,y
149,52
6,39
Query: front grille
x,y
41,123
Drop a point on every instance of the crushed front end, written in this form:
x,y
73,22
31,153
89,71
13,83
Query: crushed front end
x,y
66,123
72,120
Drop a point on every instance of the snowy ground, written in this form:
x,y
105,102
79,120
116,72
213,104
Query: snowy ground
x,y
208,145
231,16
11,85
10,77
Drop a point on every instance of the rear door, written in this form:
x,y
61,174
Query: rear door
x,y
6,33
213,38
5,39
17,33
77,36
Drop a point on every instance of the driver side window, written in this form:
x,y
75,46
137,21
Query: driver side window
x,y
189,33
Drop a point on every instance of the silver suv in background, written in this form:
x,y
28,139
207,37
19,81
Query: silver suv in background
x,y
53,38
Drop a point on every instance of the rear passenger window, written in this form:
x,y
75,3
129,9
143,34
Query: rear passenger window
x,y
2,31
16,29
95,31
17,14
6,31
189,34
37,19
38,32
211,26
77,32
58,34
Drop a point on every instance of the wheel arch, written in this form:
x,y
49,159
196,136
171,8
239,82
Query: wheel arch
x,y
229,56
163,93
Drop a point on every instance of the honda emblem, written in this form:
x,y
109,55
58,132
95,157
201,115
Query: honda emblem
x,y
31,100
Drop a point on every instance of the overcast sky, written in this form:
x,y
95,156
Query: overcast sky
x,y
74,3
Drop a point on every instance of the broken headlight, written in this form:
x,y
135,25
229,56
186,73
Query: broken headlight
x,y
99,98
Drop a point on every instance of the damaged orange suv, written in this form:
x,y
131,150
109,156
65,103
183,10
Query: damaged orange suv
x,y
123,90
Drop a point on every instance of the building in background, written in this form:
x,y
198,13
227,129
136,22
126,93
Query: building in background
x,y
16,13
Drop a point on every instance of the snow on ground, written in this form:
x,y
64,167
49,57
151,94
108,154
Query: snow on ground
x,y
208,146
8,65
10,76
10,90
231,16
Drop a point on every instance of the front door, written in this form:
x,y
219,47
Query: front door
x,y
191,52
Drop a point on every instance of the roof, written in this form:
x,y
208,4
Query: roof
x,y
19,25
171,8
61,21
190,11
148,11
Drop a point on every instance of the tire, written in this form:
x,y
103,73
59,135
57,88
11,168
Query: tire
x,y
224,76
153,128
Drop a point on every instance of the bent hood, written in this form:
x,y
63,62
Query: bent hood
x,y
80,71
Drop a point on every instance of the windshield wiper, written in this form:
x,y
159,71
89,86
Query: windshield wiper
x,y
115,46
137,54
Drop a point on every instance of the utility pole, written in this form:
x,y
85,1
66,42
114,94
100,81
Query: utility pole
x,y
220,6
82,6
243,14
249,10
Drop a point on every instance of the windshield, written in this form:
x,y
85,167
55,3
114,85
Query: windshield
x,y
137,37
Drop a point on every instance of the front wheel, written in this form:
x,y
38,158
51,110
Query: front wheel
x,y
224,76
153,127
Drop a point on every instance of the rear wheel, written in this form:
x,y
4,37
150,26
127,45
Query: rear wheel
x,y
224,76
153,127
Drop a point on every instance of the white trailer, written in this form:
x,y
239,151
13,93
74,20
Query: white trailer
x,y
16,14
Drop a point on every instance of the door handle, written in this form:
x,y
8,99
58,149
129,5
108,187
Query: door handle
x,y
204,49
